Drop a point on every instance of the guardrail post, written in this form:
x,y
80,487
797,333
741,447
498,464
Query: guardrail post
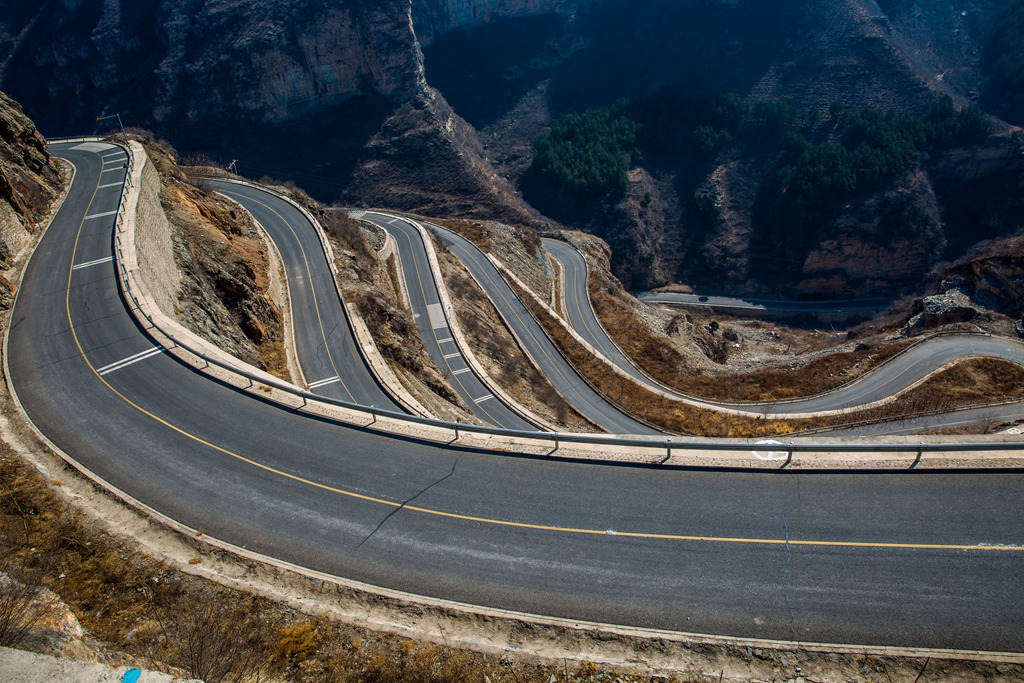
x,y
789,455
920,454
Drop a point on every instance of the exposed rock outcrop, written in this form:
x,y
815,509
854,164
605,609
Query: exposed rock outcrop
x,y
213,250
427,159
435,17
948,308
335,96
29,180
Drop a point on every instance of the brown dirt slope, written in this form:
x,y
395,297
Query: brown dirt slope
x,y
225,291
29,184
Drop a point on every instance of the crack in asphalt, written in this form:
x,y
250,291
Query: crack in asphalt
x,y
407,501
783,578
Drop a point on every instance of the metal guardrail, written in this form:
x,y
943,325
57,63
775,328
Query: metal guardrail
x,y
663,445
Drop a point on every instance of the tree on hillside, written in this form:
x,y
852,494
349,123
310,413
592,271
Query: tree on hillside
x,y
588,153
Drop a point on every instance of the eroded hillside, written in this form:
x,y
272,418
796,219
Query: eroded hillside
x,y
434,106
30,182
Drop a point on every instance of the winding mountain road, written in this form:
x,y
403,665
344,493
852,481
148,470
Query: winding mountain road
x,y
912,559
326,350
899,374
435,328
588,402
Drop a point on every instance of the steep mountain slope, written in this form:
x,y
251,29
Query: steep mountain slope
x,y
722,220
381,103
293,89
29,184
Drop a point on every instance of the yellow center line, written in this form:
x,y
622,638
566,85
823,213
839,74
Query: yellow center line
x,y
488,520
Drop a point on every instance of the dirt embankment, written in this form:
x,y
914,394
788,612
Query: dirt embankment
x,y
30,183
207,264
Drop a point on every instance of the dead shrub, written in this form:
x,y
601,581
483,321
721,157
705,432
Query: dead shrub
x,y
296,642
22,605
215,642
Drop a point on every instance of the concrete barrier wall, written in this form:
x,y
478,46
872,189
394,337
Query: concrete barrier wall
x,y
680,452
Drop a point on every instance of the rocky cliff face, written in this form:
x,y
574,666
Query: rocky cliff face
x,y
29,181
436,17
296,90
336,95
169,63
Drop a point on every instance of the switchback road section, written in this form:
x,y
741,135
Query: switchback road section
x,y
326,348
893,377
435,327
580,395
907,559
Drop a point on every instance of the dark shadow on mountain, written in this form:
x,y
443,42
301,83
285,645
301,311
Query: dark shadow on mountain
x,y
707,47
484,72
317,151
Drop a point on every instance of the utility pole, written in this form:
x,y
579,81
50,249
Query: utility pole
x,y
233,166
121,125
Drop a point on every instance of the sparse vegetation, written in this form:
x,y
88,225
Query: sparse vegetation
x,y
588,153
1005,59
664,363
162,618
876,144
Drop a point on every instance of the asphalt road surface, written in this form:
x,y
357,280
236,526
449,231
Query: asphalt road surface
x,y
435,328
754,305
563,377
326,349
899,374
909,559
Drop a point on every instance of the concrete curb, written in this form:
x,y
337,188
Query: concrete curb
x,y
738,455
425,626
460,338
364,340
31,667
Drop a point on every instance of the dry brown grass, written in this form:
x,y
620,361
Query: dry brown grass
x,y
971,382
667,365
151,614
671,415
968,383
